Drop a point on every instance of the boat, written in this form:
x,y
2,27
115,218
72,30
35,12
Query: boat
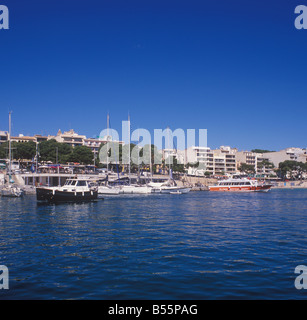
x,y
240,185
169,186
174,188
74,190
135,189
105,189
124,185
11,190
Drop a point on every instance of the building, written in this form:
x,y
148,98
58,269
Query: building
x,y
22,138
70,137
221,161
261,163
291,154
4,135
39,138
225,161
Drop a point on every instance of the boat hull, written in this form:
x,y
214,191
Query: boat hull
x,y
51,195
175,189
107,191
135,190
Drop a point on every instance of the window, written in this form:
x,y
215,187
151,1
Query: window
x,y
81,184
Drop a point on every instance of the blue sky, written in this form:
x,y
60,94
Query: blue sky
x,y
236,68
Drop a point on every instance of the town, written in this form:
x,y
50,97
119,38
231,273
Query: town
x,y
69,152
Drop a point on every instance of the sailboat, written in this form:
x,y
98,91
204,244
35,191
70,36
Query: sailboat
x,y
11,190
103,186
134,188
170,186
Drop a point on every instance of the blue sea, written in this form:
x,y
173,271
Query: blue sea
x,y
201,245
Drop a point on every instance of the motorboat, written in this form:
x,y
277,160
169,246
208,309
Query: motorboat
x,y
170,187
74,190
240,185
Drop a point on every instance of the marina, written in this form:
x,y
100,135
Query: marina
x,y
153,150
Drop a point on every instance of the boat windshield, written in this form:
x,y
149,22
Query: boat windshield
x,y
81,184
70,182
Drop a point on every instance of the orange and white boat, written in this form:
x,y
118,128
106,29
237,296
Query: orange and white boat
x,y
242,184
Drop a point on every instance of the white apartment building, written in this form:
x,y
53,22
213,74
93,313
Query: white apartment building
x,y
3,136
257,160
70,137
221,161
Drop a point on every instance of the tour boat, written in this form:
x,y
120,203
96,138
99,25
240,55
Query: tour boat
x,y
74,190
242,184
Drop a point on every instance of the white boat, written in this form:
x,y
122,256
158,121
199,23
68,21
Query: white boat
x,y
12,191
135,189
170,186
107,190
172,189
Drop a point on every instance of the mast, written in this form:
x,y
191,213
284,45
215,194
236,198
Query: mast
x,y
129,149
138,156
108,124
150,164
169,158
10,153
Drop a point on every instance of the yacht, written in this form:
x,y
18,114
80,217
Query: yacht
x,y
74,190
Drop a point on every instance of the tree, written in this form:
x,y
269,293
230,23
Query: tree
x,y
247,168
294,168
24,150
49,149
81,154
2,151
261,151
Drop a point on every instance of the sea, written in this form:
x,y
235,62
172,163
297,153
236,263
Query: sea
x,y
196,246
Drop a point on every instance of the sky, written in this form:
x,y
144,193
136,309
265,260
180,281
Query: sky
x,y
236,68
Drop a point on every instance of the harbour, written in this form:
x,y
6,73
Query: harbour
x,y
153,150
